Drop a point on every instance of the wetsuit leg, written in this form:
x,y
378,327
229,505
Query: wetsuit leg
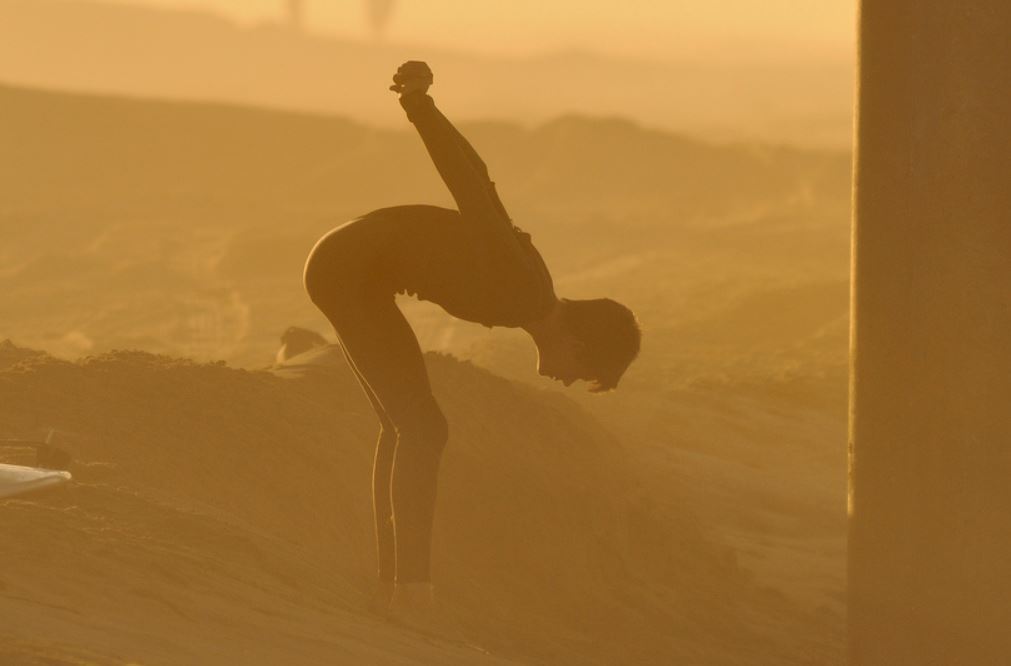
x,y
382,473
385,352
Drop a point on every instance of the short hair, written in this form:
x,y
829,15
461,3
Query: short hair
x,y
610,335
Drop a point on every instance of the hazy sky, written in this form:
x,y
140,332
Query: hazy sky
x,y
730,29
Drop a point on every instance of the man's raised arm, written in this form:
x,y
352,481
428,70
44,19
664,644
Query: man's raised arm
x,y
461,168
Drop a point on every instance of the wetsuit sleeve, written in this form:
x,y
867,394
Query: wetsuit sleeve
x,y
461,168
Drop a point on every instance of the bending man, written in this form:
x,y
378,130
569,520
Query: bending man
x,y
479,267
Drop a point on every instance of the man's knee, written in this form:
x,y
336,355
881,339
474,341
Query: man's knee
x,y
425,424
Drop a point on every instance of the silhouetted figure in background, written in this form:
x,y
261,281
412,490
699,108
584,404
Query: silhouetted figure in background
x,y
478,267
295,14
379,12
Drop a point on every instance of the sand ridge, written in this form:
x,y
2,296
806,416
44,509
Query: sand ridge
x,y
223,515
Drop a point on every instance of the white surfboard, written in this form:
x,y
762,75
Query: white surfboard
x,y
18,480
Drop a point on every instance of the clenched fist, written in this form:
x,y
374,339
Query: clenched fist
x,y
412,76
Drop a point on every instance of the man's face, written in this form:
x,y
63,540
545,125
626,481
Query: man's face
x,y
558,360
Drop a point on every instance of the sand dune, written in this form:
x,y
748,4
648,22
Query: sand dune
x,y
222,516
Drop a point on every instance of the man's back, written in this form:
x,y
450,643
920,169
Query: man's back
x,y
439,256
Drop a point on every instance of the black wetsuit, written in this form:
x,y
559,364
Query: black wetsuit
x,y
472,262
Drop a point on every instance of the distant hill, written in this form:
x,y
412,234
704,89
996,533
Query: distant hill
x,y
106,47
106,152
182,227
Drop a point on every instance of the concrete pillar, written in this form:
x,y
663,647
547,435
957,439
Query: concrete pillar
x,y
930,424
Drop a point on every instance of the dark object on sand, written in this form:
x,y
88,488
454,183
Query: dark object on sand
x,y
297,340
47,456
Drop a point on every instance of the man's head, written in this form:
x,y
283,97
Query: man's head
x,y
593,340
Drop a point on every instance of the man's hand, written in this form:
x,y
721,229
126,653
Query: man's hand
x,y
412,76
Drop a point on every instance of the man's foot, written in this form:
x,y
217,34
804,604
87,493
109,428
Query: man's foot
x,y
412,599
381,597
415,607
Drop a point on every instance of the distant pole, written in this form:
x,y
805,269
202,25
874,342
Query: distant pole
x,y
930,423
295,14
379,13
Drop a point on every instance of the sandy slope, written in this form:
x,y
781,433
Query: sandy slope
x,y
107,574
222,516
